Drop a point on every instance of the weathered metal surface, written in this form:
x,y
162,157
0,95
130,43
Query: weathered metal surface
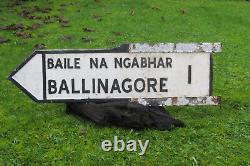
x,y
159,74
181,101
175,47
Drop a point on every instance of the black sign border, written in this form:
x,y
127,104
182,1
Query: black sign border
x,y
124,48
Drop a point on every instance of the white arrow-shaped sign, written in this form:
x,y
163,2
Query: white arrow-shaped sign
x,y
160,74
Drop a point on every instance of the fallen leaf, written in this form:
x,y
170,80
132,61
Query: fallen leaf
x,y
183,11
48,20
27,14
61,19
83,132
155,8
87,39
42,10
132,13
119,33
97,18
32,17
13,27
4,40
2,27
34,26
64,24
85,29
66,38
23,34
111,41
40,46
24,13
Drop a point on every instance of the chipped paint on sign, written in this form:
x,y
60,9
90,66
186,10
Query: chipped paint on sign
x,y
175,47
150,74
181,101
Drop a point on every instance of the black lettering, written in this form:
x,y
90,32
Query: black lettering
x,y
63,87
126,63
65,63
58,64
151,62
101,84
135,63
143,62
152,82
103,63
68,64
136,85
84,87
93,62
93,85
73,86
77,63
128,86
189,74
163,84
52,86
118,62
169,62
115,86
50,63
160,63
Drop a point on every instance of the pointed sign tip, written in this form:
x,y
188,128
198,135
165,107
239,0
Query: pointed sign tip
x,y
11,78
28,77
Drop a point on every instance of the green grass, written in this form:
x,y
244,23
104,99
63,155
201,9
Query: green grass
x,y
32,133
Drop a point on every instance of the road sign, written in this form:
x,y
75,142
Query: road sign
x,y
159,74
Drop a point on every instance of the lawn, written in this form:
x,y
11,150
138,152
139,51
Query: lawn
x,y
35,134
